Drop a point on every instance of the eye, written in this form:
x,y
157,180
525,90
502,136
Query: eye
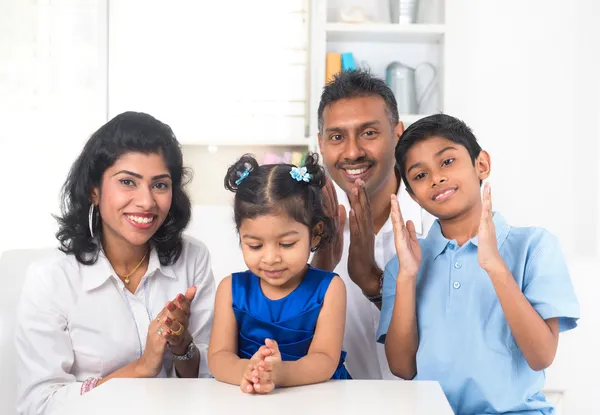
x,y
287,245
255,247
335,137
127,182
447,162
420,176
161,185
370,133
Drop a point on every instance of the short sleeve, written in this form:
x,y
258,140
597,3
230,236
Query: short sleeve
x,y
547,284
388,297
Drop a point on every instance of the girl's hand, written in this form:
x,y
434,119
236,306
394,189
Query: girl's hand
x,y
247,384
268,370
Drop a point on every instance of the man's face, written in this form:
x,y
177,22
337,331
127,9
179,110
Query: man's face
x,y
358,142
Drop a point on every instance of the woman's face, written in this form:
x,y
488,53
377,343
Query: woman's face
x,y
134,198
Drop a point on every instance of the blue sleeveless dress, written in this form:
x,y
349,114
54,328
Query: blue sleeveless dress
x,y
290,321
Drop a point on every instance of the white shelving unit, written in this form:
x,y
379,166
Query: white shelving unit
x,y
384,32
374,46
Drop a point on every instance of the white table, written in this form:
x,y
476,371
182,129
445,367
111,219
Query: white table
x,y
207,396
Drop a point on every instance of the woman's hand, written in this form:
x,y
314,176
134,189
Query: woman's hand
x,y
151,362
175,316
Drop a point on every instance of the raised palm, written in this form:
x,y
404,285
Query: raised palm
x,y
408,248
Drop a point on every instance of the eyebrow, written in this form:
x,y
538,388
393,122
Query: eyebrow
x,y
139,176
288,233
439,153
358,127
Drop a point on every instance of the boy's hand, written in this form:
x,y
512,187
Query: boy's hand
x,y
408,248
487,251
268,370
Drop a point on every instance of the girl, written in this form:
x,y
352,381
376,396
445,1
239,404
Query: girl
x,y
117,304
281,323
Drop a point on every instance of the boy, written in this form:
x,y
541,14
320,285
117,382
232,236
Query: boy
x,y
477,305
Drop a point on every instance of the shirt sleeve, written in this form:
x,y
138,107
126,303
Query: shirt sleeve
x,y
202,309
547,284
388,297
44,352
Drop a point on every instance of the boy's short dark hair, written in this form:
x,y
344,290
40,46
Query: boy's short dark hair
x,y
438,125
357,84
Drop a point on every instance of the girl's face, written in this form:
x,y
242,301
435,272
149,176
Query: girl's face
x,y
276,248
135,198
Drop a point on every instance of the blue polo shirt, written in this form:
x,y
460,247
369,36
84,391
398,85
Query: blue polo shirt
x,y
464,340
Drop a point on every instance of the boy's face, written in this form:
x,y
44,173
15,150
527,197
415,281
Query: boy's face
x,y
443,178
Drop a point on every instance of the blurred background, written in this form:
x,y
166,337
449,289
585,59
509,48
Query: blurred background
x,y
242,76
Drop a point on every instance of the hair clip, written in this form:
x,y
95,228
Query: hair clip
x,y
242,175
300,174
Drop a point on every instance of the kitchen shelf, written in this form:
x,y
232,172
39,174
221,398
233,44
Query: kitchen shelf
x,y
384,32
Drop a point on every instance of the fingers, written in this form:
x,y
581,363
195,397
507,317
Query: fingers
x,y
354,228
246,383
397,219
182,303
273,346
363,199
486,211
412,232
341,219
264,387
190,293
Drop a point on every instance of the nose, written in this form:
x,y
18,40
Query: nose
x,y
353,150
271,255
145,199
438,179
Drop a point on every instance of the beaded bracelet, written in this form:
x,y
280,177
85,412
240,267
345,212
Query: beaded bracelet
x,y
88,385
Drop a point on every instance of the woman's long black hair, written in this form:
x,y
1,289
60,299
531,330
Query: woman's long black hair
x,y
125,133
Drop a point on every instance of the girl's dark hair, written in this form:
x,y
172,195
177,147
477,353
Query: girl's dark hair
x,y
270,189
125,133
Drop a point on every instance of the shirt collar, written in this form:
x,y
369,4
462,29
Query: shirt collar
x,y
439,242
97,274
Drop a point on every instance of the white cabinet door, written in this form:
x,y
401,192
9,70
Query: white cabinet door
x,y
230,72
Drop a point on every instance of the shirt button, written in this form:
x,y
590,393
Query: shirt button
x,y
457,264
456,285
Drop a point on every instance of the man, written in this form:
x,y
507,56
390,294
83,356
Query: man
x,y
358,131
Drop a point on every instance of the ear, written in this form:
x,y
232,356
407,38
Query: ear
x,y
398,130
483,165
316,235
95,196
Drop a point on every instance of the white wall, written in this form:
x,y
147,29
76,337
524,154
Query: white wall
x,y
524,75
52,97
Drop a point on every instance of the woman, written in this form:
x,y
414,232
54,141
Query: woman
x,y
131,298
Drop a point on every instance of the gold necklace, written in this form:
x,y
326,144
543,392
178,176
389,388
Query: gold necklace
x,y
126,277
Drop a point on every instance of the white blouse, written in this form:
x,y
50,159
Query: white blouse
x,y
76,321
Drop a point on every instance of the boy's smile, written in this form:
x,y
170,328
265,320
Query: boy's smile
x,y
444,179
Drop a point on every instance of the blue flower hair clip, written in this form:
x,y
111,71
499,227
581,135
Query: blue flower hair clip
x,y
300,174
242,175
